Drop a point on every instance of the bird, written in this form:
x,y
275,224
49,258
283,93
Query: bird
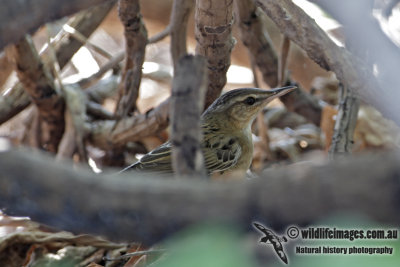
x,y
227,143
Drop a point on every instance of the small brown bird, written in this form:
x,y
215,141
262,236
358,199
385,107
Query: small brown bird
x,y
227,140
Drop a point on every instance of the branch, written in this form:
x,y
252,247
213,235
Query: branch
x,y
179,18
257,41
346,120
129,129
134,208
136,40
18,18
85,22
17,99
6,66
303,30
76,108
186,105
160,35
111,64
378,52
38,82
12,103
103,89
213,33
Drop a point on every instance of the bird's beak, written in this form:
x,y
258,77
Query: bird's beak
x,y
277,92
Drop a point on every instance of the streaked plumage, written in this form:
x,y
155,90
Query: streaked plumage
x,y
227,142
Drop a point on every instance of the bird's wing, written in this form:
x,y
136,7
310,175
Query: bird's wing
x,y
157,160
220,153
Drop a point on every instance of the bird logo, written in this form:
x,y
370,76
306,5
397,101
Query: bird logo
x,y
271,238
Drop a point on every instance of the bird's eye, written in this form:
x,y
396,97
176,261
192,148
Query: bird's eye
x,y
250,100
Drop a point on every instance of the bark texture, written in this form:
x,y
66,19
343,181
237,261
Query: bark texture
x,y
257,41
187,102
39,84
136,39
213,32
346,120
181,10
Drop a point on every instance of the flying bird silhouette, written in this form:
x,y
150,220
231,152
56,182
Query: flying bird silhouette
x,y
274,240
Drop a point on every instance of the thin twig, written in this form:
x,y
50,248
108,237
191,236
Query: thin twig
x,y
111,64
160,35
81,38
283,60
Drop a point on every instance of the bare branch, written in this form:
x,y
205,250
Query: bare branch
x,y
111,64
214,41
179,18
13,102
146,209
187,102
136,40
67,146
159,36
301,29
98,112
85,22
129,129
39,84
257,41
6,66
76,107
346,120
103,89
283,60
18,18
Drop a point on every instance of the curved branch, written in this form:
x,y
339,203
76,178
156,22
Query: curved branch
x,y
350,70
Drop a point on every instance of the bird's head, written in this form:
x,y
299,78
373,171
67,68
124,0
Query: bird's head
x,y
240,106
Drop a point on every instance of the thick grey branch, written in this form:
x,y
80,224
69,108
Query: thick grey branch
x,y
147,209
